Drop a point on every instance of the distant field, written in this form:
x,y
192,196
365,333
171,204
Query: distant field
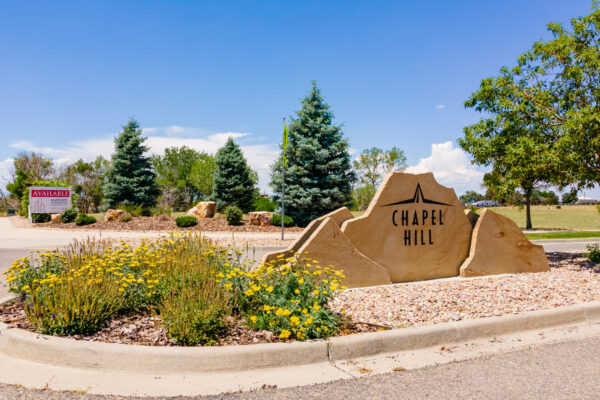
x,y
550,217
563,235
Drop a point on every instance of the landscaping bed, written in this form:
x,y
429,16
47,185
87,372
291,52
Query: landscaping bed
x,y
175,290
146,329
572,279
163,222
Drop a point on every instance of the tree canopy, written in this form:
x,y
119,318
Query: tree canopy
x,y
233,179
318,176
541,121
130,178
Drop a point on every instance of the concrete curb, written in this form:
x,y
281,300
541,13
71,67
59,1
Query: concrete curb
x,y
93,355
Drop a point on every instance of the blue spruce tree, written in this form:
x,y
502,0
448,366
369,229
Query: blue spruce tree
x,y
318,176
130,178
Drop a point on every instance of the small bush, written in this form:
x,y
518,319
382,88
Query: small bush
x,y
135,211
594,253
185,221
598,207
263,204
276,220
68,215
125,218
40,218
84,219
234,215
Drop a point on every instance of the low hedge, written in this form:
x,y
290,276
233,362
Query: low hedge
x,y
276,220
186,221
69,215
234,215
84,219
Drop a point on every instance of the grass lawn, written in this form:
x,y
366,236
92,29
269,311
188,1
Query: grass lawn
x,y
563,235
550,217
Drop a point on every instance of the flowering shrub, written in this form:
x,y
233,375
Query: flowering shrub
x,y
286,296
76,291
192,284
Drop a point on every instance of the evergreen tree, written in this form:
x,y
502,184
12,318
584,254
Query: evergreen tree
x,y
232,179
130,178
318,176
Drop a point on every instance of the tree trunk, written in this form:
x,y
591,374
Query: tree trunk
x,y
528,209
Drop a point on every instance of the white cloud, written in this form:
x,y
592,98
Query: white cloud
x,y
440,106
259,156
451,167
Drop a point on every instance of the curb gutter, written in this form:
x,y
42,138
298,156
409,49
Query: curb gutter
x,y
51,350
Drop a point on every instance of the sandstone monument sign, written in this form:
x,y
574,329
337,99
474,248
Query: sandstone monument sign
x,y
416,229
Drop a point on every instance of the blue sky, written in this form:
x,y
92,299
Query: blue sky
x,y
395,73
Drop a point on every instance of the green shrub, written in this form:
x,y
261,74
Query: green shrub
x,y
126,218
263,204
185,221
68,215
287,297
594,253
276,220
598,207
84,219
40,218
132,209
234,215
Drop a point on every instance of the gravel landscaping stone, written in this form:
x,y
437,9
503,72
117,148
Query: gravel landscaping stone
x,y
572,279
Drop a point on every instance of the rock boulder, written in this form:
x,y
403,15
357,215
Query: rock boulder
x,y
338,216
414,227
330,246
204,209
500,247
261,218
113,215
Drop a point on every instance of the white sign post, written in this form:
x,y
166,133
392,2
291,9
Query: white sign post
x,y
48,200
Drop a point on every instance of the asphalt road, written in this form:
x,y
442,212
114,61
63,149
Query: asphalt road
x,y
568,370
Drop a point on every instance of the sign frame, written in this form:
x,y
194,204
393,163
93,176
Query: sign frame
x,y
49,200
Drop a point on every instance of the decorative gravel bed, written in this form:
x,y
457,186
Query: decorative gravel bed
x,y
572,279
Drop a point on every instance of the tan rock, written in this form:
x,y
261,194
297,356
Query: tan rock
x,y
338,216
55,218
261,218
500,247
330,246
414,227
473,216
204,209
113,215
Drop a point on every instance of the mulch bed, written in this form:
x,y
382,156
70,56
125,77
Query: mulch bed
x,y
167,223
146,330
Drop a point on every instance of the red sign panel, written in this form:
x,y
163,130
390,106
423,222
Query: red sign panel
x,y
50,193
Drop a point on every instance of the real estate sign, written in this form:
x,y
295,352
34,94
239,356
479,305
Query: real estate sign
x,y
49,199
